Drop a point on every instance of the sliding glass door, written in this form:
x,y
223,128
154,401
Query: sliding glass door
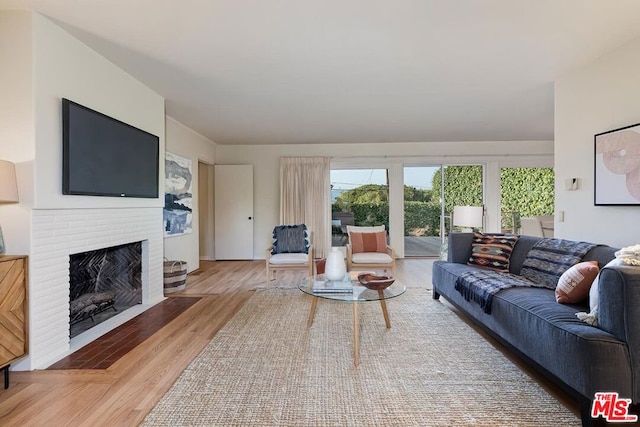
x,y
422,212
360,196
429,201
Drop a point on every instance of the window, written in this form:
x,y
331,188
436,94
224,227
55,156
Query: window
x,y
526,192
358,197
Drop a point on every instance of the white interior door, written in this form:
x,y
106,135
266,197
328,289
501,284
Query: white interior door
x,y
233,212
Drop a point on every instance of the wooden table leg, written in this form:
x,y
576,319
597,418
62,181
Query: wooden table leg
x,y
312,313
385,313
6,376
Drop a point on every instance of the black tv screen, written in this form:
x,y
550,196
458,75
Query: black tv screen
x,y
103,156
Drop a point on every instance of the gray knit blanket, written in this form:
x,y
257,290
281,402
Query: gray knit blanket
x,y
549,258
480,286
542,268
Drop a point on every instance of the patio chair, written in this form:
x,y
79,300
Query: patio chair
x,y
531,226
368,249
339,223
546,221
291,250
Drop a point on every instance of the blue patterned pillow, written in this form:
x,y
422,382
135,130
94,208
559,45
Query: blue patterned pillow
x,y
549,258
291,239
492,251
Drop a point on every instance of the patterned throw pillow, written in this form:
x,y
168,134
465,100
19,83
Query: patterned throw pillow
x,y
368,242
574,284
492,251
290,239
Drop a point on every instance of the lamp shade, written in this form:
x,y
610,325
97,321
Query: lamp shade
x,y
467,216
8,185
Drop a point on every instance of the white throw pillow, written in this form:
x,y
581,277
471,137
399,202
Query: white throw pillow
x,y
592,317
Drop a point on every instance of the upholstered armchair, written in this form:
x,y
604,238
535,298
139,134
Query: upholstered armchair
x,y
368,249
291,250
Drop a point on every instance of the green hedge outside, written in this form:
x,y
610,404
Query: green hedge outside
x,y
527,191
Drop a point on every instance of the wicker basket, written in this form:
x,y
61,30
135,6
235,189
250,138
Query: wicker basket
x,y
175,276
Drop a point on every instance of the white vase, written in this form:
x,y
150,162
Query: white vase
x,y
335,269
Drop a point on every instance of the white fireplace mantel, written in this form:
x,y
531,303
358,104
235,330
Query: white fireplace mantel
x,y
56,234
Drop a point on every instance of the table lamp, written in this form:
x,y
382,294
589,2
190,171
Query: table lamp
x,y
469,218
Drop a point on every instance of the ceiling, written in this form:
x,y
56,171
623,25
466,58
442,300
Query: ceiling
x,y
332,71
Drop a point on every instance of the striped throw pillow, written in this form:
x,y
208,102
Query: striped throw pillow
x,y
368,242
492,251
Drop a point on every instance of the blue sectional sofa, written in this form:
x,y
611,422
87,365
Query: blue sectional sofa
x,y
581,358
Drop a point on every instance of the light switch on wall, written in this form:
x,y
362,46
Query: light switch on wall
x,y
571,184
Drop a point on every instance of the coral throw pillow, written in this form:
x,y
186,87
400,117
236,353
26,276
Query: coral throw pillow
x,y
492,251
574,284
368,242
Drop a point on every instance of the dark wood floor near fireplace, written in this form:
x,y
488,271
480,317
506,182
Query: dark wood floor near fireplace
x,y
106,350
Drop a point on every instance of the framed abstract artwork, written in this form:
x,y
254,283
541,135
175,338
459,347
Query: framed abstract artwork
x,y
178,196
617,167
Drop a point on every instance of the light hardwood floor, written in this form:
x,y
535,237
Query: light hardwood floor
x,y
123,394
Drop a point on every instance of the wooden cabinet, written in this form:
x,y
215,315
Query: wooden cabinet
x,y
13,311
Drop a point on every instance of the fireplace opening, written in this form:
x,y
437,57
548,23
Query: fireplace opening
x,y
103,283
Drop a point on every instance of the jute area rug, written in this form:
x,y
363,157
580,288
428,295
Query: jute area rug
x,y
266,368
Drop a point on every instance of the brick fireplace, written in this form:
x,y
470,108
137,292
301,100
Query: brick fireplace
x,y
59,233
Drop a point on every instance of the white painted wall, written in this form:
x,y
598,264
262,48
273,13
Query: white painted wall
x,y
266,163
41,63
65,67
186,143
600,96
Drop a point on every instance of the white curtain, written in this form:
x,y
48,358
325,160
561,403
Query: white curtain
x,y
305,198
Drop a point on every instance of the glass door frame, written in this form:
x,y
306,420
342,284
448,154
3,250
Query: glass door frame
x,y
445,217
395,166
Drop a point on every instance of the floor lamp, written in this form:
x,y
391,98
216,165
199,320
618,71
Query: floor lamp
x,y
469,218
8,189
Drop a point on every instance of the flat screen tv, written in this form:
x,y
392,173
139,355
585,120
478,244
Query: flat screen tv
x,y
102,156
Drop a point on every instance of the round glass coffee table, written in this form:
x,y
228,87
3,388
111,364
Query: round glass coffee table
x,y
348,291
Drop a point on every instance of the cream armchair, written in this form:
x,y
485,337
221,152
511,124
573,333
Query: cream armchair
x,y
291,250
368,249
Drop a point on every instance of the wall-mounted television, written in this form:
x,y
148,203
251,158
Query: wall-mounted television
x,y
102,156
